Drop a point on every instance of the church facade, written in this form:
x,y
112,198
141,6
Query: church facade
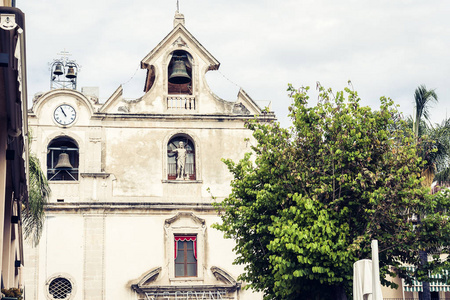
x,y
133,182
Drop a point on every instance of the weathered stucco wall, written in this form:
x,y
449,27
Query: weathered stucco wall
x,y
104,253
111,231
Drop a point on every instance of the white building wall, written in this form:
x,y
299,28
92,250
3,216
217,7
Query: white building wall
x,y
114,227
102,252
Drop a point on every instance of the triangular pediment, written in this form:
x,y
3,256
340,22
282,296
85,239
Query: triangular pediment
x,y
181,99
179,39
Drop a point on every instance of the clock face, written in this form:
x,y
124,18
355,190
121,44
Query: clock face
x,y
65,114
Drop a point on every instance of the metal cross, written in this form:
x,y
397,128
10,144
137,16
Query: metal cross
x,y
64,55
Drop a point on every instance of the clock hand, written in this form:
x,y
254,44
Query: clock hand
x,y
63,112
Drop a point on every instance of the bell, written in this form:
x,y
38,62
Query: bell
x,y
71,73
179,74
63,162
58,69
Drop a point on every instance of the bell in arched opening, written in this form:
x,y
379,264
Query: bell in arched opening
x,y
63,162
179,74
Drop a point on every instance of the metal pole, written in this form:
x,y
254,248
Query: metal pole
x,y
375,272
426,295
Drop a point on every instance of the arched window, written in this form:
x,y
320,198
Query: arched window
x,y
180,73
181,158
62,159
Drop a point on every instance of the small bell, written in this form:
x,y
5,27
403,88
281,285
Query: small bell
x,y
179,74
71,73
63,162
58,69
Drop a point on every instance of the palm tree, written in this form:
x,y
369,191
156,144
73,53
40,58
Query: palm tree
x,y
33,215
433,149
440,134
422,98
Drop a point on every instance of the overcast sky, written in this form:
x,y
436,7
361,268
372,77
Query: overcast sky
x,y
385,47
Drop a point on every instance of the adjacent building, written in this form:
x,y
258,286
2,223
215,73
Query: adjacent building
x,y
13,143
133,182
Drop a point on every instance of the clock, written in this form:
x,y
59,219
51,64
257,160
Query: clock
x,y
65,114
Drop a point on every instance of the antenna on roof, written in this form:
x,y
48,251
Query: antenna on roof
x,y
178,5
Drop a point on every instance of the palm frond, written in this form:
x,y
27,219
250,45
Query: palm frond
x,y
423,99
39,192
435,150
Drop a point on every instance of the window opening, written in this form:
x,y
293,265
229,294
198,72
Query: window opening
x,y
185,256
181,159
62,160
60,288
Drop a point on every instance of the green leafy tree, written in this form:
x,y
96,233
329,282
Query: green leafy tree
x,y
33,214
308,205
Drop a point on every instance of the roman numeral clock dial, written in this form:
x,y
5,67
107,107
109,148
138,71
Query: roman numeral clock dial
x,y
64,114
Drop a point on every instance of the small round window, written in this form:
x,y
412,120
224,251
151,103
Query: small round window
x,y
60,288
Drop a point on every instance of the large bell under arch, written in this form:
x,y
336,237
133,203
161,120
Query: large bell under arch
x,y
62,159
63,162
179,74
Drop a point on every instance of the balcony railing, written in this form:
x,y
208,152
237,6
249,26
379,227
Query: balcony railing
x,y
181,103
172,171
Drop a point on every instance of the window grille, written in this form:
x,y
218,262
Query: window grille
x,y
60,288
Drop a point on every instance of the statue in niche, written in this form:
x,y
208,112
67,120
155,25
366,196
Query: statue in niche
x,y
181,160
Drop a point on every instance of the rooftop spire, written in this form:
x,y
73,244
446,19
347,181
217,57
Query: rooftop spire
x,y
179,17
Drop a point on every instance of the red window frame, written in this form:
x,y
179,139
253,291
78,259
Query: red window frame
x,y
184,262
